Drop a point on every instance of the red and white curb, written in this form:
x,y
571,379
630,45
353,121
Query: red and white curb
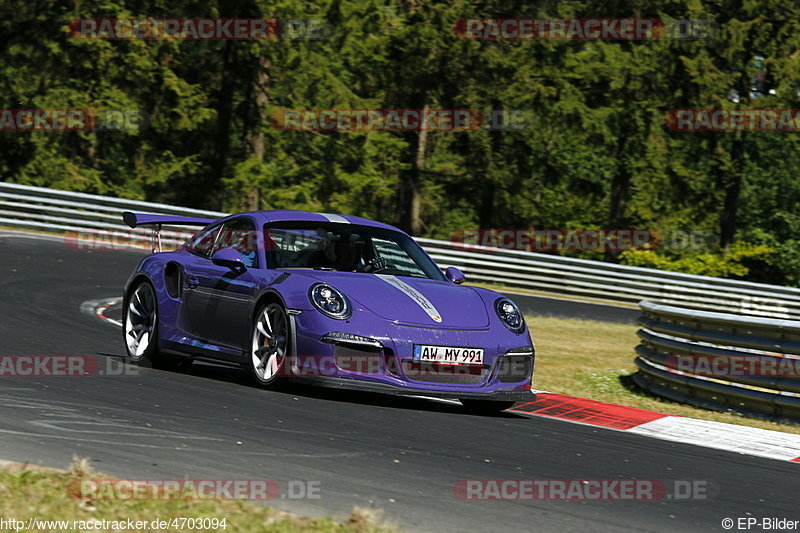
x,y
718,435
98,308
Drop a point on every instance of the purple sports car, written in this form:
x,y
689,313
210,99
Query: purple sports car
x,y
338,300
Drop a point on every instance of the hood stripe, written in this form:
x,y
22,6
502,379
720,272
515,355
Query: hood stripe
x,y
412,293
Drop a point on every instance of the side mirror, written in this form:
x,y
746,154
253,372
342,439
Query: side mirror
x,y
228,257
454,275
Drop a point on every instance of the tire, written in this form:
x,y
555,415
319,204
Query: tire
x,y
486,407
140,329
269,346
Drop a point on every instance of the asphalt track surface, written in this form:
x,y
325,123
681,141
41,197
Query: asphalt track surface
x,y
562,308
401,455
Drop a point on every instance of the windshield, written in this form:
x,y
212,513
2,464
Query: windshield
x,y
346,248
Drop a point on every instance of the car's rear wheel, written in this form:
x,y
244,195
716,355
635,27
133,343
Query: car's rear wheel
x,y
270,341
140,328
486,407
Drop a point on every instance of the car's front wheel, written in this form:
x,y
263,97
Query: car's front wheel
x,y
270,340
486,407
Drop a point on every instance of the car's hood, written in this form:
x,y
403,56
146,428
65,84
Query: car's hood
x,y
408,300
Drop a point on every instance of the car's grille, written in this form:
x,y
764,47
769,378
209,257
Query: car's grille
x,y
435,373
358,358
514,368
339,349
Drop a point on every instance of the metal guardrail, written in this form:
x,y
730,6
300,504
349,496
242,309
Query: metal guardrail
x,y
54,210
720,361
42,209
609,281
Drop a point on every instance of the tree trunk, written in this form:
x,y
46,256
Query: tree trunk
x,y
488,189
620,190
620,183
732,179
210,193
261,100
732,187
413,222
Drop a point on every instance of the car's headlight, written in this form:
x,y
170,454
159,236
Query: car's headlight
x,y
329,301
509,314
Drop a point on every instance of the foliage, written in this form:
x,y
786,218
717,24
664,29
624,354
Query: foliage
x,y
595,153
729,263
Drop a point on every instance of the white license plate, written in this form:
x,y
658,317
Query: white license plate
x,y
448,354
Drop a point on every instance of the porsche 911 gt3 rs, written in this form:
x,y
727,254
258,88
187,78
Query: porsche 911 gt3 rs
x,y
337,300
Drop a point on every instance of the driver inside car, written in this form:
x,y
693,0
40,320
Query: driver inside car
x,y
347,253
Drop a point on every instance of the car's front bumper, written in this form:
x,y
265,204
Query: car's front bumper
x,y
385,388
390,365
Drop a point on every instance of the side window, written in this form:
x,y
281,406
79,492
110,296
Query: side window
x,y
395,257
203,243
240,234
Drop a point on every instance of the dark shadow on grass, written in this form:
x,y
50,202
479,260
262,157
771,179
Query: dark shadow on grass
x,y
631,386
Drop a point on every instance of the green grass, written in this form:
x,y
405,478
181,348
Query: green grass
x,y
592,360
41,493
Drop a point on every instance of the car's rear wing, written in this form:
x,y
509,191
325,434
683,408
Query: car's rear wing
x,y
135,220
